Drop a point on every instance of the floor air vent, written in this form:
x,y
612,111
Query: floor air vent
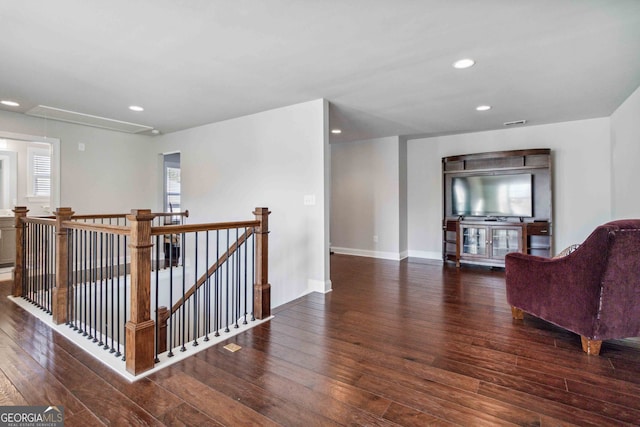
x,y
515,122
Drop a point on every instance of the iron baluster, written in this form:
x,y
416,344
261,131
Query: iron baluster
x,y
117,303
113,301
124,302
184,312
253,274
195,293
156,360
171,317
216,291
244,244
84,284
207,293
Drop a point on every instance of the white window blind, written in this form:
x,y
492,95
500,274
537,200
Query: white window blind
x,y
39,172
173,189
41,175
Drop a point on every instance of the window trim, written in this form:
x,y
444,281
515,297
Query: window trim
x,y
54,144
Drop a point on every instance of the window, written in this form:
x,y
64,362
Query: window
x,y
173,189
39,179
171,185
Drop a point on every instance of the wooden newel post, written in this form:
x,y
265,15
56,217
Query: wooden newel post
x,y
20,212
262,288
140,328
59,300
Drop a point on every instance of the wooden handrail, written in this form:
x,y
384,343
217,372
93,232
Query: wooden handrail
x,y
98,216
184,214
155,231
39,220
192,228
115,229
124,215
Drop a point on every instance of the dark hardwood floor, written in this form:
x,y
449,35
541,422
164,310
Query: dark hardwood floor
x,y
404,343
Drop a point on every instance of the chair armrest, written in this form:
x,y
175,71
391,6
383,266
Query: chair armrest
x,y
564,291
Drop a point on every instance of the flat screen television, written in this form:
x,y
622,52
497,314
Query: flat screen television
x,y
492,195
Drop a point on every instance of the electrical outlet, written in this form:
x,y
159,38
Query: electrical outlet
x,y
375,239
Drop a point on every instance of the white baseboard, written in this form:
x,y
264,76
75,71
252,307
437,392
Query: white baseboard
x,y
426,255
322,286
396,256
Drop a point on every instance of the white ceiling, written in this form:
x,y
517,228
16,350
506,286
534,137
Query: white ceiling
x,y
384,65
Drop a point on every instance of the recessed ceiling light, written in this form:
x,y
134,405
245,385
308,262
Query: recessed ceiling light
x,y
9,103
136,108
464,63
336,131
155,131
483,107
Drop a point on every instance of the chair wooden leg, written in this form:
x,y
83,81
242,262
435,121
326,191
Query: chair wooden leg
x,y
590,346
517,313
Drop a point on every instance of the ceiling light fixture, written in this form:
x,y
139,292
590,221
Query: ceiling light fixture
x,y
136,108
336,131
9,103
483,107
464,63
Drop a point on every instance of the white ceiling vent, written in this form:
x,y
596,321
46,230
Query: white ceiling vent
x,y
86,119
515,122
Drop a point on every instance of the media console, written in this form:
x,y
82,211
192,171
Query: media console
x,y
482,221
487,242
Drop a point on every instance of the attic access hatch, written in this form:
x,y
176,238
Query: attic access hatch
x,y
52,113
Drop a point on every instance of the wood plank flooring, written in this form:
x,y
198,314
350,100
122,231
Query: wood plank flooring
x,y
395,343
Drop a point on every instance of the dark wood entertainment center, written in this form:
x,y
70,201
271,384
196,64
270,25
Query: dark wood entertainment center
x,y
485,240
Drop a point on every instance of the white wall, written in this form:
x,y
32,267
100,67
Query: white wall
x,y
113,175
581,153
402,210
424,201
365,198
270,159
625,142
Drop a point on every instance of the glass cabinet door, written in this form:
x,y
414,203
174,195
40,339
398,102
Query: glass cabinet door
x,y
503,241
474,241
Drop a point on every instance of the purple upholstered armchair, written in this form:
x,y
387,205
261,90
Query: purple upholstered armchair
x,y
594,291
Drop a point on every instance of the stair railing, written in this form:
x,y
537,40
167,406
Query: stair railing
x,y
219,297
94,273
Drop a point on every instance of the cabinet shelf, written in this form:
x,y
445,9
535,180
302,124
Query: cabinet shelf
x,y
487,243
516,168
